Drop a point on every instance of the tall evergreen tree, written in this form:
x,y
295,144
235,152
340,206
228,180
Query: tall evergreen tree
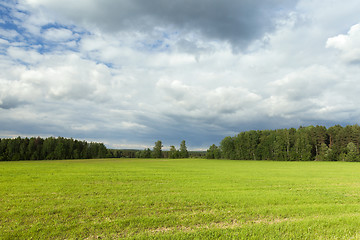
x,y
183,150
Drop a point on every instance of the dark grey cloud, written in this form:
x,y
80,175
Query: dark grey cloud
x,y
10,102
234,21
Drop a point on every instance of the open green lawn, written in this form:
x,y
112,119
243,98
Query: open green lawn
x,y
179,199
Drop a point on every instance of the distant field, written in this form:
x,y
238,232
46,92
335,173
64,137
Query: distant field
x,y
179,199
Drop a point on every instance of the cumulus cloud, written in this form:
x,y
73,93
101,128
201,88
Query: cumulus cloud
x,y
29,56
306,83
52,77
348,44
210,107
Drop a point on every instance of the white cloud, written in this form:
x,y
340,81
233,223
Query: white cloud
x,y
8,34
3,42
201,103
306,83
27,56
58,35
349,44
54,77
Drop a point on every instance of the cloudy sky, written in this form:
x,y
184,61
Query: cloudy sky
x,y
131,72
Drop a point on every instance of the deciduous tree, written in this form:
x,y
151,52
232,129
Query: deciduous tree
x,y
157,152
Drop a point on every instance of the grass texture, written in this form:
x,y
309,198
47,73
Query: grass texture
x,y
179,199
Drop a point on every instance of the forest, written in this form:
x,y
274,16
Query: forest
x,y
310,143
50,149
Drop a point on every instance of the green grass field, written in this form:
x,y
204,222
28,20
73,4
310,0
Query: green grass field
x,y
179,199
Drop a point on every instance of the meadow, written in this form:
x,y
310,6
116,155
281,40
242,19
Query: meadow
x,y
179,199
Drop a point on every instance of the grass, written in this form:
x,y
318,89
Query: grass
x,y
179,199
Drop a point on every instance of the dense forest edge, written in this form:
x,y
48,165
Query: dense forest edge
x,y
51,148
37,148
310,143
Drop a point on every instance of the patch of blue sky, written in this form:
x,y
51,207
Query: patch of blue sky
x,y
154,46
3,49
53,25
72,28
12,30
94,57
10,26
109,65
8,22
10,14
22,62
5,9
160,45
166,35
170,35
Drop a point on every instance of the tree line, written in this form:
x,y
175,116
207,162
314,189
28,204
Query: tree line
x,y
310,143
157,151
50,149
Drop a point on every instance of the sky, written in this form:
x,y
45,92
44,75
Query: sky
x,y
130,72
